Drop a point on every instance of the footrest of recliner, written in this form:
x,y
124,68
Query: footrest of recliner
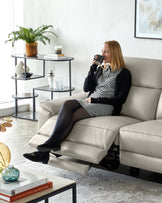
x,y
68,163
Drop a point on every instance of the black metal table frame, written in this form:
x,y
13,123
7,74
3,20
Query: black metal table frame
x,y
53,193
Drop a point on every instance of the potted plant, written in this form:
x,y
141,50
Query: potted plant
x,y
31,36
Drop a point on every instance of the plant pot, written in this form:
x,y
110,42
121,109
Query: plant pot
x,y
31,49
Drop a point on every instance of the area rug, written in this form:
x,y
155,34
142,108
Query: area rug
x,y
100,186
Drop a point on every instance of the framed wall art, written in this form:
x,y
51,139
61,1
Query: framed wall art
x,y
148,19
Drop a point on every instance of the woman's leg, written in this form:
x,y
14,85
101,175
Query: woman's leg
x,y
70,112
78,115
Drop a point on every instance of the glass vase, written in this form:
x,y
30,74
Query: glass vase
x,y
10,174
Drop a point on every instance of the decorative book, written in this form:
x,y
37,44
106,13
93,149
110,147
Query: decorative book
x,y
25,182
12,198
54,56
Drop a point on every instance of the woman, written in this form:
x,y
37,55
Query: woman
x,y
108,86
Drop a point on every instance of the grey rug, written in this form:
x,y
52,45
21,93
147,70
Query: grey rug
x,y
100,186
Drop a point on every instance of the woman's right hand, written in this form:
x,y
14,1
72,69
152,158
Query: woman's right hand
x,y
93,67
93,62
88,100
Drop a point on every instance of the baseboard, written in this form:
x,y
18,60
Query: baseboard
x,y
8,109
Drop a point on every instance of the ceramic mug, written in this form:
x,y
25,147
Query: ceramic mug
x,y
98,59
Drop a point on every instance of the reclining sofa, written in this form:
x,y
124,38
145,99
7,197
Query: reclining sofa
x,y
136,133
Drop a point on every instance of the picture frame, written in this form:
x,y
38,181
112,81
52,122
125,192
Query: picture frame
x,y
148,19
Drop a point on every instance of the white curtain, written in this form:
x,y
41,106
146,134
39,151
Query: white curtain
x,y
11,16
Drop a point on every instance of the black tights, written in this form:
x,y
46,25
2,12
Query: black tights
x,y
70,112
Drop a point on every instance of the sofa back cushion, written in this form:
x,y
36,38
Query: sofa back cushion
x,y
159,108
141,103
146,88
145,72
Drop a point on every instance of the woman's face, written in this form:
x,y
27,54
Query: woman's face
x,y
106,53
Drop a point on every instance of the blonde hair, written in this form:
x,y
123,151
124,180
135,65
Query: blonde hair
x,y
117,60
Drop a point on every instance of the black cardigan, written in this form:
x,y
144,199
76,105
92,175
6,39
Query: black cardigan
x,y
123,84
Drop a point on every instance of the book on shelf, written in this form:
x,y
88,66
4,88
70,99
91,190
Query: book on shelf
x,y
25,182
12,198
54,56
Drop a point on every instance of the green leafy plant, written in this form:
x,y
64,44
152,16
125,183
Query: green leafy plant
x,y
30,35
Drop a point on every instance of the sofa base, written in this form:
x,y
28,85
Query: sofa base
x,y
153,164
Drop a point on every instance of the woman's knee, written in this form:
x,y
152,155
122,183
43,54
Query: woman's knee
x,y
79,114
72,103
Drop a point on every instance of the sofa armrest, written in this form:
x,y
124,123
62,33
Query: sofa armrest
x,y
43,116
50,108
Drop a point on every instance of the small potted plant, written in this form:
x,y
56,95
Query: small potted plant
x,y
31,36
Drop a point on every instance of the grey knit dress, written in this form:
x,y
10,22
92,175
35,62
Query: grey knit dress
x,y
105,88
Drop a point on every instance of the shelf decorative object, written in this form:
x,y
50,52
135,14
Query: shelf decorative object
x,y
26,75
51,76
58,49
19,70
31,36
5,156
10,174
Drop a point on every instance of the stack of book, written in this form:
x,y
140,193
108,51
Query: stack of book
x,y
27,184
54,56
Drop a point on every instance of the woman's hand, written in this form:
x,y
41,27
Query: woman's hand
x,y
93,62
88,100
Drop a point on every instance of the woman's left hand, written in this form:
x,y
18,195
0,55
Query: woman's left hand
x,y
88,100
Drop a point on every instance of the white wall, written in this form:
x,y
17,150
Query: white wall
x,y
10,14
82,27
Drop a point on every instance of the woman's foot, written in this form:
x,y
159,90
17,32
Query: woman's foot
x,y
38,156
47,147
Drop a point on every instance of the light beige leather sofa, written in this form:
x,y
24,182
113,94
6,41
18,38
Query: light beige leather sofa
x,y
137,131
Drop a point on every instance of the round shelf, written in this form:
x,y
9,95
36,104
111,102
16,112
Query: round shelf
x,y
24,96
48,89
43,57
30,78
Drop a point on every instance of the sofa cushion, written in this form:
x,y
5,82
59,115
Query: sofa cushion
x,y
53,106
97,131
145,72
159,108
142,138
141,103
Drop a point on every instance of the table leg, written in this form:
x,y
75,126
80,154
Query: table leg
x,y
74,196
16,107
16,104
46,200
33,103
51,95
70,76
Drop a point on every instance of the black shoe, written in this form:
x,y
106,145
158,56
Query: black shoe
x,y
37,157
48,147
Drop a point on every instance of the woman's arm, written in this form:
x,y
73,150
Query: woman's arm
x,y
123,84
89,83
